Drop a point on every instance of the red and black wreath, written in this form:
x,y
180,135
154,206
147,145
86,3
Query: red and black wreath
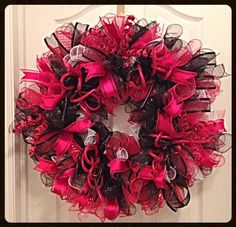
x,y
167,86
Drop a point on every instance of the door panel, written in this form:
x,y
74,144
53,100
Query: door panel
x,y
27,25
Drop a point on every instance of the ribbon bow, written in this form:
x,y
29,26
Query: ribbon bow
x,y
107,84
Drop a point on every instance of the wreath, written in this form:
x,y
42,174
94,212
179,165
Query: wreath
x,y
167,86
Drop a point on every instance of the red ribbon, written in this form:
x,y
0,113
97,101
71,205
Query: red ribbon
x,y
46,166
166,62
165,130
107,84
112,209
54,93
44,78
60,184
118,166
115,26
148,36
65,141
164,125
156,172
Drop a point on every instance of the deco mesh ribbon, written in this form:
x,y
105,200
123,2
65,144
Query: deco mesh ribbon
x,y
167,86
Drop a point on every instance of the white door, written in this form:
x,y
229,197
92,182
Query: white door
x,y
26,198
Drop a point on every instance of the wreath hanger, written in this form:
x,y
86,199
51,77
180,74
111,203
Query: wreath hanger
x,y
120,9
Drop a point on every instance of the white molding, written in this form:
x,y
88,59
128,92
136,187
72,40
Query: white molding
x,y
15,150
77,15
9,115
168,8
179,14
23,148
